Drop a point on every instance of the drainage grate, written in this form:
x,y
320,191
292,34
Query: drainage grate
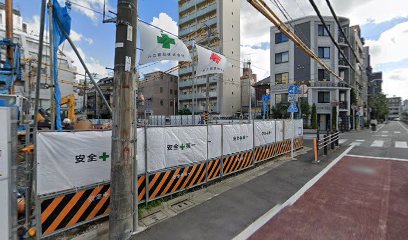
x,y
183,205
153,218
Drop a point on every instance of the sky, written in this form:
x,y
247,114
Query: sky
x,y
384,26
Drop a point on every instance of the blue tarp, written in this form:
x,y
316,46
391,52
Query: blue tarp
x,y
62,14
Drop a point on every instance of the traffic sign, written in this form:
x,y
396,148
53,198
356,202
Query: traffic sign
x,y
292,108
293,89
292,98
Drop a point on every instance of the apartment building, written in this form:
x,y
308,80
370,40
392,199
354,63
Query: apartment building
x,y
375,83
214,24
394,108
159,90
290,65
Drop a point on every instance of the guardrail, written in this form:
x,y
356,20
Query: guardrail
x,y
329,140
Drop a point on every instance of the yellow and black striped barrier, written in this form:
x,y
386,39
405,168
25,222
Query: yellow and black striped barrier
x,y
69,210
237,162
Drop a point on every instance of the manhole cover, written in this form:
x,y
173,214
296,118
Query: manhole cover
x,y
183,205
153,218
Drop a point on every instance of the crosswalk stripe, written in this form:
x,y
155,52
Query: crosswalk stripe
x,y
341,141
355,144
397,132
377,143
360,140
384,131
399,144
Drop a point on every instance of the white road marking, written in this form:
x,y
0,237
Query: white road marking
x,y
378,158
384,135
257,224
341,141
384,131
360,140
397,132
355,144
399,144
406,129
377,143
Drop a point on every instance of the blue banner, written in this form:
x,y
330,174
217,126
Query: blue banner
x,y
62,14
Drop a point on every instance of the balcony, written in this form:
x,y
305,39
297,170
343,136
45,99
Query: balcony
x,y
206,10
342,42
186,19
343,63
197,82
187,31
186,70
187,6
343,105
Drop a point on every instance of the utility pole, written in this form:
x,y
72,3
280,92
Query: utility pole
x,y
208,77
52,61
122,207
84,100
250,92
9,34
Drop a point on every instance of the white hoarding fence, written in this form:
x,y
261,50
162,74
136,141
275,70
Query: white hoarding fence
x,y
299,127
264,132
237,138
69,160
289,127
279,130
214,141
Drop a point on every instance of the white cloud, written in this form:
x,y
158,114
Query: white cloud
x,y
393,82
391,45
90,41
259,58
75,36
165,22
86,6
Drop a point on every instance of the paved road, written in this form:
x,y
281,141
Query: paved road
x,y
363,194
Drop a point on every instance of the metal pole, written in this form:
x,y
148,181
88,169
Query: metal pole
x,y
123,138
9,29
293,135
250,94
84,65
146,167
193,76
36,106
52,61
84,100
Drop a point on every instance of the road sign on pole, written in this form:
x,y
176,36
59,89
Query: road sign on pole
x,y
293,89
292,108
292,98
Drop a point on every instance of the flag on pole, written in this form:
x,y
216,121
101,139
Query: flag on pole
x,y
210,62
157,45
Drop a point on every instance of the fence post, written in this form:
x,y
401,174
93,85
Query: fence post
x,y
332,140
146,169
316,150
206,162
222,151
253,141
325,142
337,138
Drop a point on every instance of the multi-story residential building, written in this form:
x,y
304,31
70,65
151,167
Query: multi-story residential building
x,y
358,80
96,108
159,90
248,79
222,19
394,108
375,83
290,65
28,41
405,106
261,89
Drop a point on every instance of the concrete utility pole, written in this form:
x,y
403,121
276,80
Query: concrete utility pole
x,y
52,60
208,77
123,137
9,28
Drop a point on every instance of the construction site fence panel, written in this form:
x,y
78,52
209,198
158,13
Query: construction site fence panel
x,y
231,148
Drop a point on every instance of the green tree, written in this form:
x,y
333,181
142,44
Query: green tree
x,y
184,111
379,106
334,118
314,116
305,108
280,111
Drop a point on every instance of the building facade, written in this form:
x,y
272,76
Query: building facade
x,y
96,108
394,108
375,83
248,79
160,94
214,24
290,65
28,40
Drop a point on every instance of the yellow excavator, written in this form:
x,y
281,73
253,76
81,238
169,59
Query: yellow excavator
x,y
44,119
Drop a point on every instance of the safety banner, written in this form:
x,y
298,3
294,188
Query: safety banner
x,y
214,141
71,160
76,208
264,132
174,180
174,146
237,138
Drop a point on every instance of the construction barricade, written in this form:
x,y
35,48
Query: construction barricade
x,y
73,168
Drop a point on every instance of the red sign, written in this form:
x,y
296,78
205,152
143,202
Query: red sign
x,y
214,57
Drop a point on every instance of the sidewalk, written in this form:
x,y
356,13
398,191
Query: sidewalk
x,y
226,215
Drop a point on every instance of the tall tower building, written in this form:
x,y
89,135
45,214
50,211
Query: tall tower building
x,y
214,24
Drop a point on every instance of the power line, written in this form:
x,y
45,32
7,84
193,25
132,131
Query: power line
x,y
330,35
340,28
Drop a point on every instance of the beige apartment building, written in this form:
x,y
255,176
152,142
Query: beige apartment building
x,y
214,24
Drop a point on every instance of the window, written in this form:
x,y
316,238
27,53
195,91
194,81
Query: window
x,y
323,97
281,57
322,31
161,102
324,52
161,89
323,75
171,91
282,78
171,103
281,98
280,38
175,92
